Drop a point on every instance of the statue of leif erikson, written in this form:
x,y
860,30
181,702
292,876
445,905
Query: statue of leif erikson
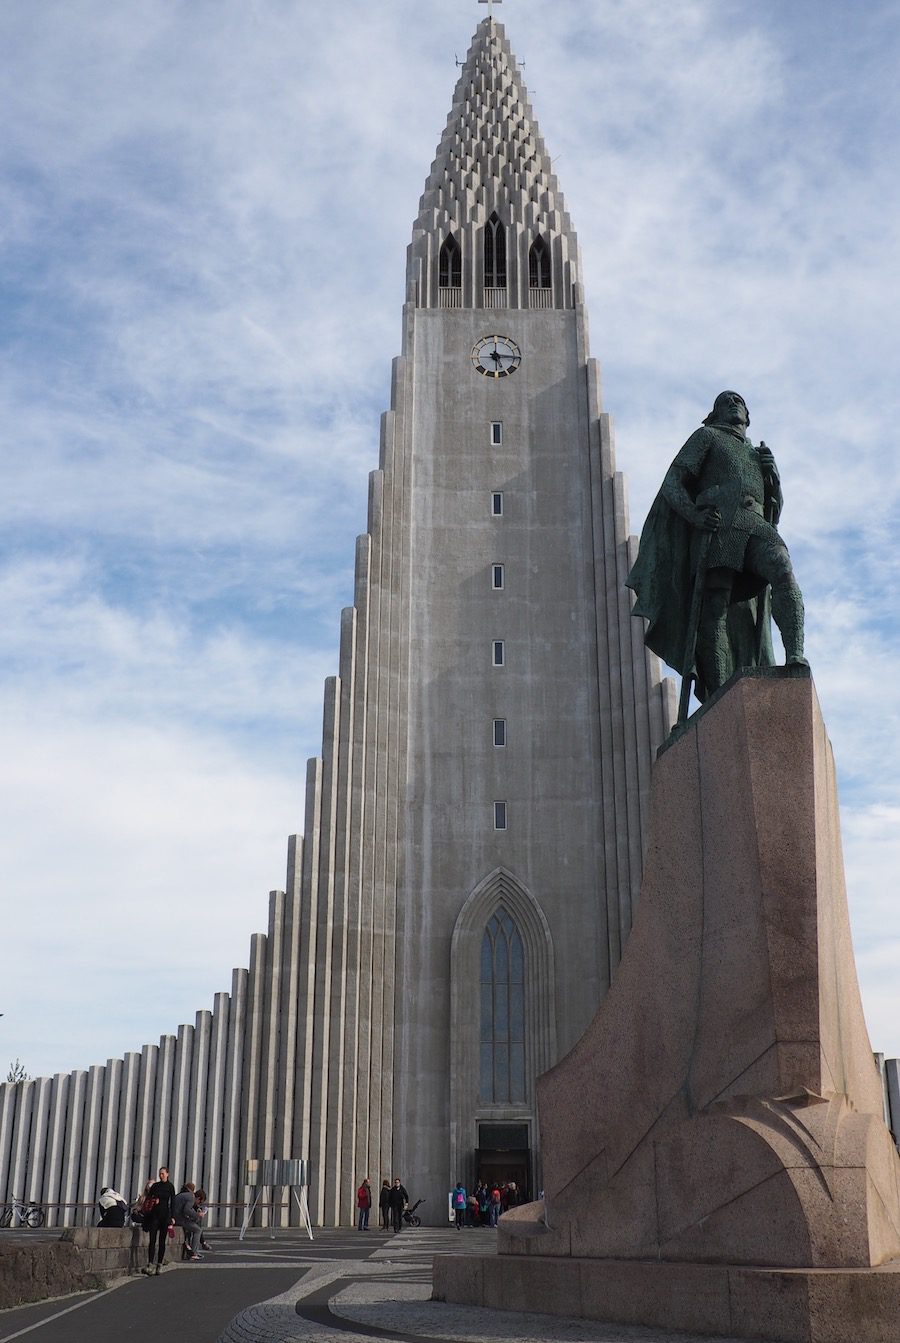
x,y
711,560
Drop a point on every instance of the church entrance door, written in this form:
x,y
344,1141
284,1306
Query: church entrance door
x,y
503,1157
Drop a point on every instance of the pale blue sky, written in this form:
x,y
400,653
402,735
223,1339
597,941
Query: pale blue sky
x,y
206,207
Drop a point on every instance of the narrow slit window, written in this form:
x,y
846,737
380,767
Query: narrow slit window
x,y
499,653
496,433
499,815
499,731
497,577
497,503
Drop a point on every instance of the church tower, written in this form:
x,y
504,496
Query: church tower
x,y
527,709
473,829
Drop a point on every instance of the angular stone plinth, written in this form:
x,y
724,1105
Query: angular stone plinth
x,y
723,1108
783,1305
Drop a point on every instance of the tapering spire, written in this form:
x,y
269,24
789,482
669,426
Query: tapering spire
x,y
492,159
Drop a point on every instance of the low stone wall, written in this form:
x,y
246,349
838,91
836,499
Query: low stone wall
x,y
83,1259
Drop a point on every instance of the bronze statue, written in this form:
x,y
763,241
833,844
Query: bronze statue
x,y
710,557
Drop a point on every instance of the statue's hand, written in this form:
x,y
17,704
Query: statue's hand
x,y
707,518
767,460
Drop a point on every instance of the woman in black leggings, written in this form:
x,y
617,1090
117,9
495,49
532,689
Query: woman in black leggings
x,y
159,1219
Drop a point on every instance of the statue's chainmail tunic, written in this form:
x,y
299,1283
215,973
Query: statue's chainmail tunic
x,y
727,471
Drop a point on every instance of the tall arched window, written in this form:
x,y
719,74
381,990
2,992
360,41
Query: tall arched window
x,y
450,273
539,265
494,253
502,1012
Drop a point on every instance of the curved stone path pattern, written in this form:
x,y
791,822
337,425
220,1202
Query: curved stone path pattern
x,y
342,1287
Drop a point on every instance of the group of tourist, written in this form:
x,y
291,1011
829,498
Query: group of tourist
x,y
484,1206
392,1202
160,1211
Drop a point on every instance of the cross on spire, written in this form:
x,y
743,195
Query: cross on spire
x,y
490,4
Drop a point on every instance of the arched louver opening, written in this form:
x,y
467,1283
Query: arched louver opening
x,y
539,265
494,253
450,269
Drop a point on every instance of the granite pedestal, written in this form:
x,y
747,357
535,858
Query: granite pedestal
x,y
715,1154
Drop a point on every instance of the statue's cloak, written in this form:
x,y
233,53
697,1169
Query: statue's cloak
x,y
662,578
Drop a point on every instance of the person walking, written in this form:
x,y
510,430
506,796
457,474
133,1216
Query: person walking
x,y
398,1199
364,1203
459,1205
158,1218
384,1204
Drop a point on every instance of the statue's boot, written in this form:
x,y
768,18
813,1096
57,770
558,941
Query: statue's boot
x,y
713,658
787,612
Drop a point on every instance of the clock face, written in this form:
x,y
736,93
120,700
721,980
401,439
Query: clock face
x,y
496,356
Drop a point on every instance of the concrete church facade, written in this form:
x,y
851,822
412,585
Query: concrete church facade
x,y
472,843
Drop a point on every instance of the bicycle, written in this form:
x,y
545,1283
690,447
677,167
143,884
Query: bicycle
x,y
18,1213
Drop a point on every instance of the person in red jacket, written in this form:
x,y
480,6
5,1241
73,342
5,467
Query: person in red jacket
x,y
364,1203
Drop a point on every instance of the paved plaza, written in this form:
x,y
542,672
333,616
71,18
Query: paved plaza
x,y
344,1286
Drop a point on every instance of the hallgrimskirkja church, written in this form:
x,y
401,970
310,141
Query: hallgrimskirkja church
x,y
472,839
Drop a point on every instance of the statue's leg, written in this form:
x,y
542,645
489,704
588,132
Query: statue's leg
x,y
773,563
714,661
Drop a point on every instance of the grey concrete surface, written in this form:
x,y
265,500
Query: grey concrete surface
x,y
343,1287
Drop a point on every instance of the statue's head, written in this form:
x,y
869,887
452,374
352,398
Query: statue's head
x,y
729,408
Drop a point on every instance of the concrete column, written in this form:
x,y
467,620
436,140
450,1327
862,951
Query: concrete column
x,y
269,1039
106,1156
195,1158
142,1168
252,1058
324,944
181,1103
354,900
229,1185
56,1137
126,1181
215,1101
371,1059
162,1142
366,1115
8,1097
93,1114
37,1147
307,975
285,1142
71,1161
21,1141
336,1201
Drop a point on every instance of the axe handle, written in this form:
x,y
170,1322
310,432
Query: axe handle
x,y
690,646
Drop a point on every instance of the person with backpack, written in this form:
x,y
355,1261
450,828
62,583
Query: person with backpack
x,y
364,1203
495,1205
459,1201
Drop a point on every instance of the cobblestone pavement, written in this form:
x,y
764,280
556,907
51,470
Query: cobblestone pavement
x,y
343,1287
387,1296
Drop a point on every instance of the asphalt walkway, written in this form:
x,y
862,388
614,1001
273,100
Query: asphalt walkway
x,y
342,1287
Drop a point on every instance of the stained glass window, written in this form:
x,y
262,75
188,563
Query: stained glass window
x,y
502,1012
